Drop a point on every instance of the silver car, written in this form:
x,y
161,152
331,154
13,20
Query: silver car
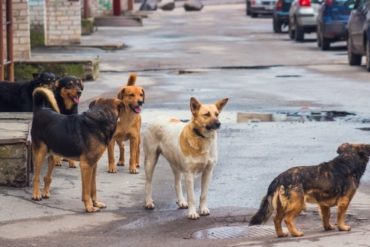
x,y
257,7
303,18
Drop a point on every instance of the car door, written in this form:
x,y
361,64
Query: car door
x,y
356,26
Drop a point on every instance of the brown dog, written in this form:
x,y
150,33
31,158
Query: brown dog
x,y
82,137
128,126
328,184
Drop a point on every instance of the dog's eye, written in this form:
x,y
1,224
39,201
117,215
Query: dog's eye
x,y
131,95
207,114
141,95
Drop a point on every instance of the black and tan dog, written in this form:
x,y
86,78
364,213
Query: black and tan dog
x,y
82,137
67,92
128,127
328,184
17,96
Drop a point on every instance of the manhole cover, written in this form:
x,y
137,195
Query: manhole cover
x,y
227,232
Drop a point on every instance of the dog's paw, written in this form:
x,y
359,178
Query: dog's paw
x,y
193,215
134,171
297,234
149,205
204,212
99,205
36,196
58,163
182,205
120,163
46,195
112,170
282,235
344,228
329,227
71,164
92,209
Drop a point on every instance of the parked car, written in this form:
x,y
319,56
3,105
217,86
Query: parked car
x,y
332,22
302,18
280,14
257,7
358,41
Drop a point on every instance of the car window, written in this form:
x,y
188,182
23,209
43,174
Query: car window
x,y
349,3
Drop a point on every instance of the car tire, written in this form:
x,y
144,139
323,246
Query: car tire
x,y
254,15
291,31
368,55
299,33
353,59
276,24
325,43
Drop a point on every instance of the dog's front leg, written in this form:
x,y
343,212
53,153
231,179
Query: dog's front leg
x,y
86,177
134,146
112,168
206,179
180,197
96,203
189,181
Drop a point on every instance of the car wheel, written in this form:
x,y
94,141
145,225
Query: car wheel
x,y
254,15
353,59
325,43
368,55
276,25
299,34
291,31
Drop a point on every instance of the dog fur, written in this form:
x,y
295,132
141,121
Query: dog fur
x,y
128,127
81,137
328,184
17,96
67,92
189,148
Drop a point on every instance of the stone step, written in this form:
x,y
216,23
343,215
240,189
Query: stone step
x,y
118,21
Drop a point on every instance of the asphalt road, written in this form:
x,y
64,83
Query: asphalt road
x,y
213,54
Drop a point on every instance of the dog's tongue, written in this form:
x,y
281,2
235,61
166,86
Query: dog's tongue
x,y
137,109
76,100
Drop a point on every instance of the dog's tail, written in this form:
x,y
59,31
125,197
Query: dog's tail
x,y
267,205
43,97
132,79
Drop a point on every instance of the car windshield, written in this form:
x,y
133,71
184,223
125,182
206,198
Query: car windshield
x,y
349,3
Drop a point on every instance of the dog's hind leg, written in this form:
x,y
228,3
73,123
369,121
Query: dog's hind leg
x,y
206,179
278,220
39,154
121,145
47,177
325,216
96,203
86,177
151,158
293,207
112,168
178,187
189,181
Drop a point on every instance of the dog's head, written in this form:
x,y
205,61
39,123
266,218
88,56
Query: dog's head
x,y
361,149
133,96
70,89
111,104
206,117
44,79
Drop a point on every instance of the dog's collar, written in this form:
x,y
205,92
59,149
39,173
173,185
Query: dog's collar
x,y
197,132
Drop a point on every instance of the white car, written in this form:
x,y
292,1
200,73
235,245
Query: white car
x,y
303,18
256,7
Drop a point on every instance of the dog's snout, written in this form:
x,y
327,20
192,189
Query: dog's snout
x,y
140,102
217,124
79,93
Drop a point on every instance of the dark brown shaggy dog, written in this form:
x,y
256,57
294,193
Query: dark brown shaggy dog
x,y
329,184
17,96
82,137
67,92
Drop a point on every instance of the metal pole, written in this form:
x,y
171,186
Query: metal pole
x,y
9,39
86,9
1,41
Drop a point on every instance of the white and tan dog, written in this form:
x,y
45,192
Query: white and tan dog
x,y
189,148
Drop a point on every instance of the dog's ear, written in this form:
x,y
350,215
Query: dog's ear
x,y
345,147
221,103
143,95
363,149
132,79
121,93
194,105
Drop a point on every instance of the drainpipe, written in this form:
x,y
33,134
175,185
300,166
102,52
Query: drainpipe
x,y
9,39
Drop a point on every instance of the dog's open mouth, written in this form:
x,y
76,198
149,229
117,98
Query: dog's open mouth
x,y
75,99
136,109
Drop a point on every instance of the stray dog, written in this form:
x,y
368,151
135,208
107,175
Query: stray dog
x,y
328,184
128,127
82,137
189,148
17,96
67,93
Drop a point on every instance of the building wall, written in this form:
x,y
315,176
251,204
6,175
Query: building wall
x,y
63,20
99,8
21,27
